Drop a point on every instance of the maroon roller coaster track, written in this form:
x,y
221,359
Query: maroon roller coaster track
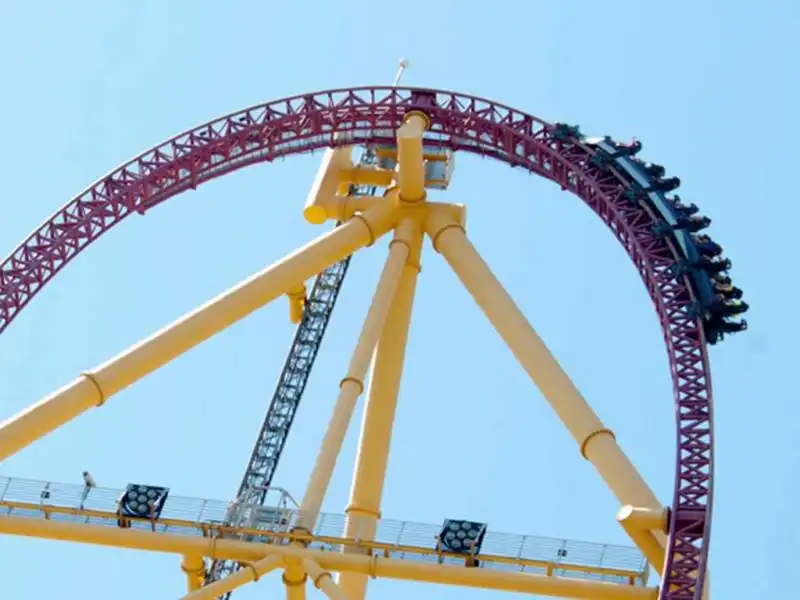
x,y
372,115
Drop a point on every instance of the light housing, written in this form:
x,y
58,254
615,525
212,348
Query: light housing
x,y
141,502
460,536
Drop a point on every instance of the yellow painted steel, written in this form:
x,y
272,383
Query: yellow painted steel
x,y
644,518
373,566
379,412
641,524
297,303
361,176
294,579
353,384
597,443
334,161
94,388
322,580
195,569
342,208
207,529
251,572
410,158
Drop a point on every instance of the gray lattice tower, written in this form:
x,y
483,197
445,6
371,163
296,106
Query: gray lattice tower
x,y
290,387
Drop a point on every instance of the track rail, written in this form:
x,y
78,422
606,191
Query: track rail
x,y
307,122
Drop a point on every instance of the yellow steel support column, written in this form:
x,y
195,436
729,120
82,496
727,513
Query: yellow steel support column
x,y
195,569
374,566
297,303
597,443
322,580
294,578
94,388
379,412
410,157
641,525
353,384
250,572
323,190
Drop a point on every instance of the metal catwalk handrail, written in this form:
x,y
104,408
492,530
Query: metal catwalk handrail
x,y
395,539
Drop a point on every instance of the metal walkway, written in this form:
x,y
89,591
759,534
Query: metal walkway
x,y
403,540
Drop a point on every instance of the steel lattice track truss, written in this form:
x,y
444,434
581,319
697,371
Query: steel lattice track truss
x,y
373,116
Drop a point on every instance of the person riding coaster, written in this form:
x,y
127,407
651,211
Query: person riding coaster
x,y
666,184
680,208
713,267
721,279
716,327
653,170
694,223
706,246
733,326
727,291
728,308
630,149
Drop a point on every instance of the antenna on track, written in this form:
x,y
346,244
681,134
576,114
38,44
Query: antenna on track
x,y
402,65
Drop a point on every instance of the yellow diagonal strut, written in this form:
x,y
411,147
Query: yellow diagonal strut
x,y
364,507
95,387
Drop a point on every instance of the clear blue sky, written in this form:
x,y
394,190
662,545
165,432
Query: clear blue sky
x,y
709,89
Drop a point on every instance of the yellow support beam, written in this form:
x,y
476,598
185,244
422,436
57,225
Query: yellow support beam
x,y
297,303
642,525
294,579
597,443
334,162
322,580
374,566
411,159
367,176
95,387
379,412
195,569
250,572
304,538
352,385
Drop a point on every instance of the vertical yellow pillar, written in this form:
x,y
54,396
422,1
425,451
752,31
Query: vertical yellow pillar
x,y
294,579
248,573
379,413
194,567
353,383
411,158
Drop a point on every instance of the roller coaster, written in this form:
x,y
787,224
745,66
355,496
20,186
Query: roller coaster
x,y
409,139
718,300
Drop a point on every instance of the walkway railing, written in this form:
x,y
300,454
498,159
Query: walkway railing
x,y
394,539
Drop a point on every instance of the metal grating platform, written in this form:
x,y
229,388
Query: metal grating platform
x,y
394,539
